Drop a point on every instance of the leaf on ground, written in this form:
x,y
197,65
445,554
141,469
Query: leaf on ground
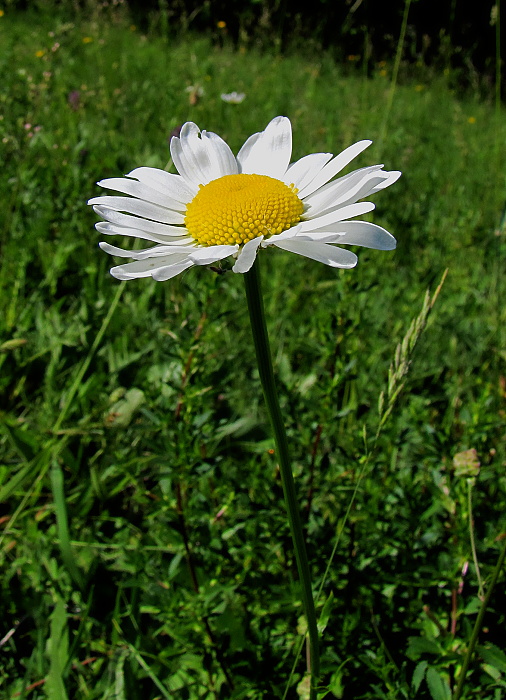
x,y
121,413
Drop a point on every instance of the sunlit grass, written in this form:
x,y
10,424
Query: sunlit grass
x,y
187,482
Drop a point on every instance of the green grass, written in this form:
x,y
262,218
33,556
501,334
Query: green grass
x,y
178,580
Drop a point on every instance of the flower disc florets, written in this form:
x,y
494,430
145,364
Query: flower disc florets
x,y
238,208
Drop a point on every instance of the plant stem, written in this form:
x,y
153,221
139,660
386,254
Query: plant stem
x,y
477,625
263,354
470,484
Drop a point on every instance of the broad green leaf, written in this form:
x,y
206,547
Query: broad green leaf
x,y
419,675
438,686
493,656
492,672
421,645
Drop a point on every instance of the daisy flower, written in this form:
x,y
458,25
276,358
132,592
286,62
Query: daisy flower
x,y
234,98
221,205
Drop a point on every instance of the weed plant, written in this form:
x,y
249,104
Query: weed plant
x,y
145,550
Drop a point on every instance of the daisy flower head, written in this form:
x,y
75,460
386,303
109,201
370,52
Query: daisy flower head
x,y
221,205
234,98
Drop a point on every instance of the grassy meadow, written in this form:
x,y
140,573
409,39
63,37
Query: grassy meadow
x,y
145,551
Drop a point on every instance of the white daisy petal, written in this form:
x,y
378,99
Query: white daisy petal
x,y
201,159
269,153
363,188
327,254
218,149
212,156
393,176
120,252
153,252
145,268
140,207
331,193
247,147
121,274
283,236
162,274
212,253
321,237
164,250
303,171
189,157
172,185
181,237
367,185
141,191
180,161
361,233
247,255
116,217
321,222
332,168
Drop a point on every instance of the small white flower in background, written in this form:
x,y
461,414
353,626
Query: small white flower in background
x,y
234,98
221,205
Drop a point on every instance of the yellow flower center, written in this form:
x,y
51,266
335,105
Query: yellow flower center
x,y
237,208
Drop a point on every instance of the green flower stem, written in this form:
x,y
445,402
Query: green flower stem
x,y
263,354
478,624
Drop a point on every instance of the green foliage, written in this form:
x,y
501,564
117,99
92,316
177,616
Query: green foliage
x,y
145,550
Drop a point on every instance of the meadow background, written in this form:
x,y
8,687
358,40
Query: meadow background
x,y
145,551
